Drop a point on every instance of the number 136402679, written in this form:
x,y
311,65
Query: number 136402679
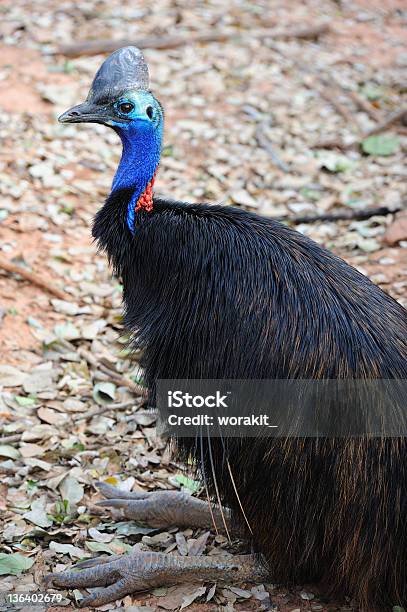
x,y
30,599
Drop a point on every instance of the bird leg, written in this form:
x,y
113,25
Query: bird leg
x,y
164,508
142,571
121,575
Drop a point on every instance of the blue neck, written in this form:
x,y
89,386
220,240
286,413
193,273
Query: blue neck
x,y
139,161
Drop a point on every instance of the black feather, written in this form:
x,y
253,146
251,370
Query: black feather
x,y
217,292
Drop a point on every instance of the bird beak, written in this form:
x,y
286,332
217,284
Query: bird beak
x,y
86,112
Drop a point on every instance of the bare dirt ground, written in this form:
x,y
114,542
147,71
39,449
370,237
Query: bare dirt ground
x,y
273,123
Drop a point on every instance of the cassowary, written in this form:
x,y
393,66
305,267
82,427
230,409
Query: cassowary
x,y
214,292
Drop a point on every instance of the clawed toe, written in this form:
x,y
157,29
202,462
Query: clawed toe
x,y
141,571
109,573
105,596
111,492
159,509
94,576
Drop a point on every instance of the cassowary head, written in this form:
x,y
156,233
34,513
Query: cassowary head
x,y
120,98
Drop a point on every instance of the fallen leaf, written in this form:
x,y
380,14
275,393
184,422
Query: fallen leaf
x,y
38,381
39,432
380,144
14,564
115,547
198,546
100,537
241,592
68,549
188,599
112,480
6,450
71,490
38,515
67,331
52,417
67,308
31,450
43,465
91,330
25,402
181,543
260,592
211,592
179,596
307,596
189,483
131,528
11,376
104,393
334,162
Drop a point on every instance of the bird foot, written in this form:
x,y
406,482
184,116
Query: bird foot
x,y
141,571
162,508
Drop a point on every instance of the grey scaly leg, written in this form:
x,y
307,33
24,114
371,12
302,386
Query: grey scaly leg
x,y
142,571
163,508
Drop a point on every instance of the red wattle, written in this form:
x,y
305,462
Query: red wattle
x,y
145,201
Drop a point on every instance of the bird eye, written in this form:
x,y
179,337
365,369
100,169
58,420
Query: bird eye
x,y
150,112
126,107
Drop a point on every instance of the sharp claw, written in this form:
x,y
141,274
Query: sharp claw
x,y
115,591
90,577
106,489
110,492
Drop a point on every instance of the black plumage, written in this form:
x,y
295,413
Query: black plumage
x,y
216,292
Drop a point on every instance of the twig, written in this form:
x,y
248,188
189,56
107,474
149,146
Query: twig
x,y
10,439
343,215
357,99
32,277
261,137
122,380
400,115
310,33
363,105
338,106
336,143
107,45
102,409
265,143
115,376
